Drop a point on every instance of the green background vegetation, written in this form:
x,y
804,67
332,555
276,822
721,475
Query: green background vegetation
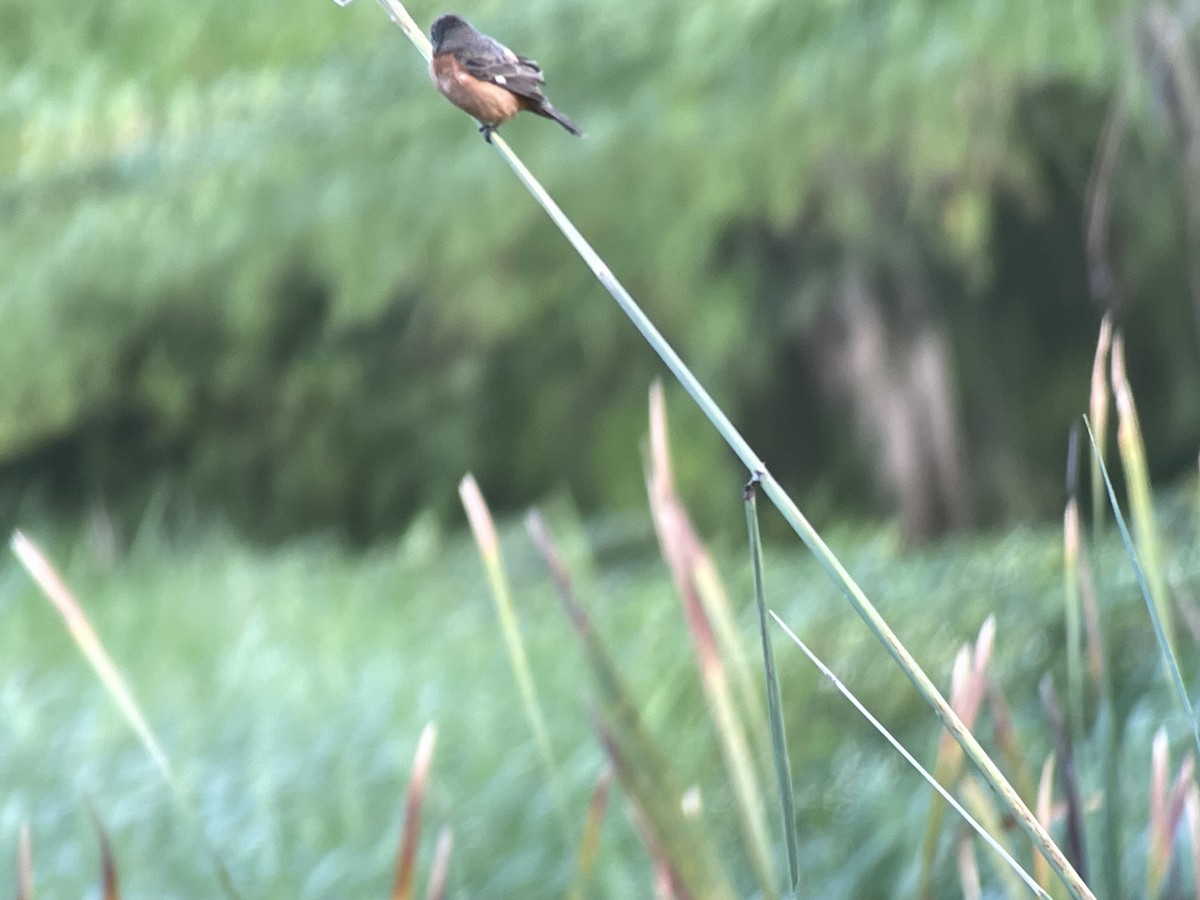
x,y
266,297
252,260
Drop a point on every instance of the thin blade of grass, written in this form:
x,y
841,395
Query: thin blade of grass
x,y
39,567
968,870
1004,734
703,571
88,640
1141,500
25,864
1177,800
1072,601
1158,843
665,887
1097,655
968,686
639,762
589,842
1076,840
911,760
1045,813
1164,645
671,838
982,805
410,834
484,531
108,867
1098,401
1112,818
439,873
1192,810
783,765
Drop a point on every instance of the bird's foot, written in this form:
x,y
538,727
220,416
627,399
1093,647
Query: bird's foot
x,y
486,131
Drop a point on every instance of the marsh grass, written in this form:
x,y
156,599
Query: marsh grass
x,y
289,687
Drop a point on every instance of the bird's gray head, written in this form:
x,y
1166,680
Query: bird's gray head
x,y
446,29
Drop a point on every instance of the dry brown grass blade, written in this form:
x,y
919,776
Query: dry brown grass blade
x,y
724,673
1005,735
639,763
968,686
1167,809
1076,840
38,565
589,842
1192,809
968,869
1132,449
25,864
1177,801
1045,814
1158,844
1098,407
1096,655
108,865
410,837
693,559
666,884
52,585
436,889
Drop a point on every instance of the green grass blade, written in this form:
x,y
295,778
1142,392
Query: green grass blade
x,y
484,531
1164,645
783,765
912,761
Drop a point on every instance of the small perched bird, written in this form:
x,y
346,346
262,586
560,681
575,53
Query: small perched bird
x,y
484,78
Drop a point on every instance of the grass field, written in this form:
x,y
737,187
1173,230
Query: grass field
x,y
289,687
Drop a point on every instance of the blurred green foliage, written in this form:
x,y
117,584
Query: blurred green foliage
x,y
289,685
249,253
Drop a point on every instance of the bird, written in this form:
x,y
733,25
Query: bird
x,y
484,78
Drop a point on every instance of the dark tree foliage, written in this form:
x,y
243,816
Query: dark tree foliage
x,y
252,259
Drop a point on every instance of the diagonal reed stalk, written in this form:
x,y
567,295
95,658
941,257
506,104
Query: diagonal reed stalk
x,y
775,492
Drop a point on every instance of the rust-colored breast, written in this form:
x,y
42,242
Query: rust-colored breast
x,y
487,102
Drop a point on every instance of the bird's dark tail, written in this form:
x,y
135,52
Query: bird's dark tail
x,y
545,109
